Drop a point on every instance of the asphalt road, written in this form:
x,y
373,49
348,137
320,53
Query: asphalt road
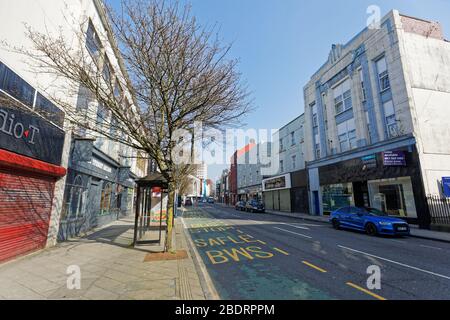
x,y
261,256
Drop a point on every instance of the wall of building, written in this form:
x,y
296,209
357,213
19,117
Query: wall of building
x,y
39,15
287,149
427,62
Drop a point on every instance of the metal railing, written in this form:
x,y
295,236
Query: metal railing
x,y
439,209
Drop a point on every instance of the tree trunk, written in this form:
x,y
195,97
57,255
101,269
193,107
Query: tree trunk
x,y
170,218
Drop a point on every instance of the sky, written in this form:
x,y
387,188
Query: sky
x,y
281,43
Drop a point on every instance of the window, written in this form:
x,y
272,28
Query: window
x,y
314,115
107,69
93,43
294,162
281,166
118,90
317,146
105,202
101,114
347,135
74,199
281,145
363,88
15,86
369,128
383,75
391,121
292,138
48,110
317,151
343,97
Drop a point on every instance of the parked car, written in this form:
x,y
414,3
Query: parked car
x,y
188,202
240,205
211,200
255,206
370,220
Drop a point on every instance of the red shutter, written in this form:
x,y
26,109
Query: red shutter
x,y
25,210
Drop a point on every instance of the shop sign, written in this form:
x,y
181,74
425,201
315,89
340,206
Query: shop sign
x,y
97,163
446,186
369,161
29,135
282,182
394,158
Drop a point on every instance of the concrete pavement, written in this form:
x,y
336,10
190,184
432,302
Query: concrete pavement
x,y
110,270
257,256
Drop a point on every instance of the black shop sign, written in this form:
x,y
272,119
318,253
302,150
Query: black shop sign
x,y
29,135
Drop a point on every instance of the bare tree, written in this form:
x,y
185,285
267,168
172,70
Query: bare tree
x,y
176,73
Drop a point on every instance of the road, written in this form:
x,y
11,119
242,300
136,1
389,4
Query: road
x,y
262,256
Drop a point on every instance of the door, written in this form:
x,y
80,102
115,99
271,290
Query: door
x,y
25,210
316,203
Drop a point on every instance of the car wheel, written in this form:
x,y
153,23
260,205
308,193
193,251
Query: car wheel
x,y
336,224
371,230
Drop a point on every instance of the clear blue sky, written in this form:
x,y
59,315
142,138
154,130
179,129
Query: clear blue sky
x,y
281,43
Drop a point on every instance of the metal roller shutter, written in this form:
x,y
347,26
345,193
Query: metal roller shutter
x,y
25,210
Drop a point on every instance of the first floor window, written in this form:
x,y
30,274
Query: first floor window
x,y
281,166
317,146
347,135
343,142
369,128
294,162
343,97
391,120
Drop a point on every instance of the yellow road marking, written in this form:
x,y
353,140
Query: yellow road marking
x,y
314,267
239,231
370,293
281,251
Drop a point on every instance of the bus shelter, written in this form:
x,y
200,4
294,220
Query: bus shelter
x,y
151,210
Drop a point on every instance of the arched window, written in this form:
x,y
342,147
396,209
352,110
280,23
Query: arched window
x,y
105,203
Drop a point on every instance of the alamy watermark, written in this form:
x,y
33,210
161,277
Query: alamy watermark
x,y
73,277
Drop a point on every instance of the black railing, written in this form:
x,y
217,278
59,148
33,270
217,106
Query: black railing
x,y
439,209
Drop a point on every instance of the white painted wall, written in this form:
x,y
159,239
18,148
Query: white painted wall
x,y
428,70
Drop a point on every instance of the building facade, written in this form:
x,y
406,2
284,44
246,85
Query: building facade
x,y
287,190
100,176
374,136
250,170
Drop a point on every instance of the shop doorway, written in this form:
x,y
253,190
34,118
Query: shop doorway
x,y
316,203
393,196
361,194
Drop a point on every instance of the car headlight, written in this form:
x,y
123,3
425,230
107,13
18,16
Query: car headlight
x,y
384,223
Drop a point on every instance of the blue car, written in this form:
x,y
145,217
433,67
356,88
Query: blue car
x,y
370,220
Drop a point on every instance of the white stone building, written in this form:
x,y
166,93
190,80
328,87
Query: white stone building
x,y
376,130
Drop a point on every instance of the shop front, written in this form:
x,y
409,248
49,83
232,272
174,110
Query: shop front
x,y
389,181
250,193
98,190
31,151
276,193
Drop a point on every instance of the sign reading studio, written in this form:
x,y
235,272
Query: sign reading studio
x,y
29,135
